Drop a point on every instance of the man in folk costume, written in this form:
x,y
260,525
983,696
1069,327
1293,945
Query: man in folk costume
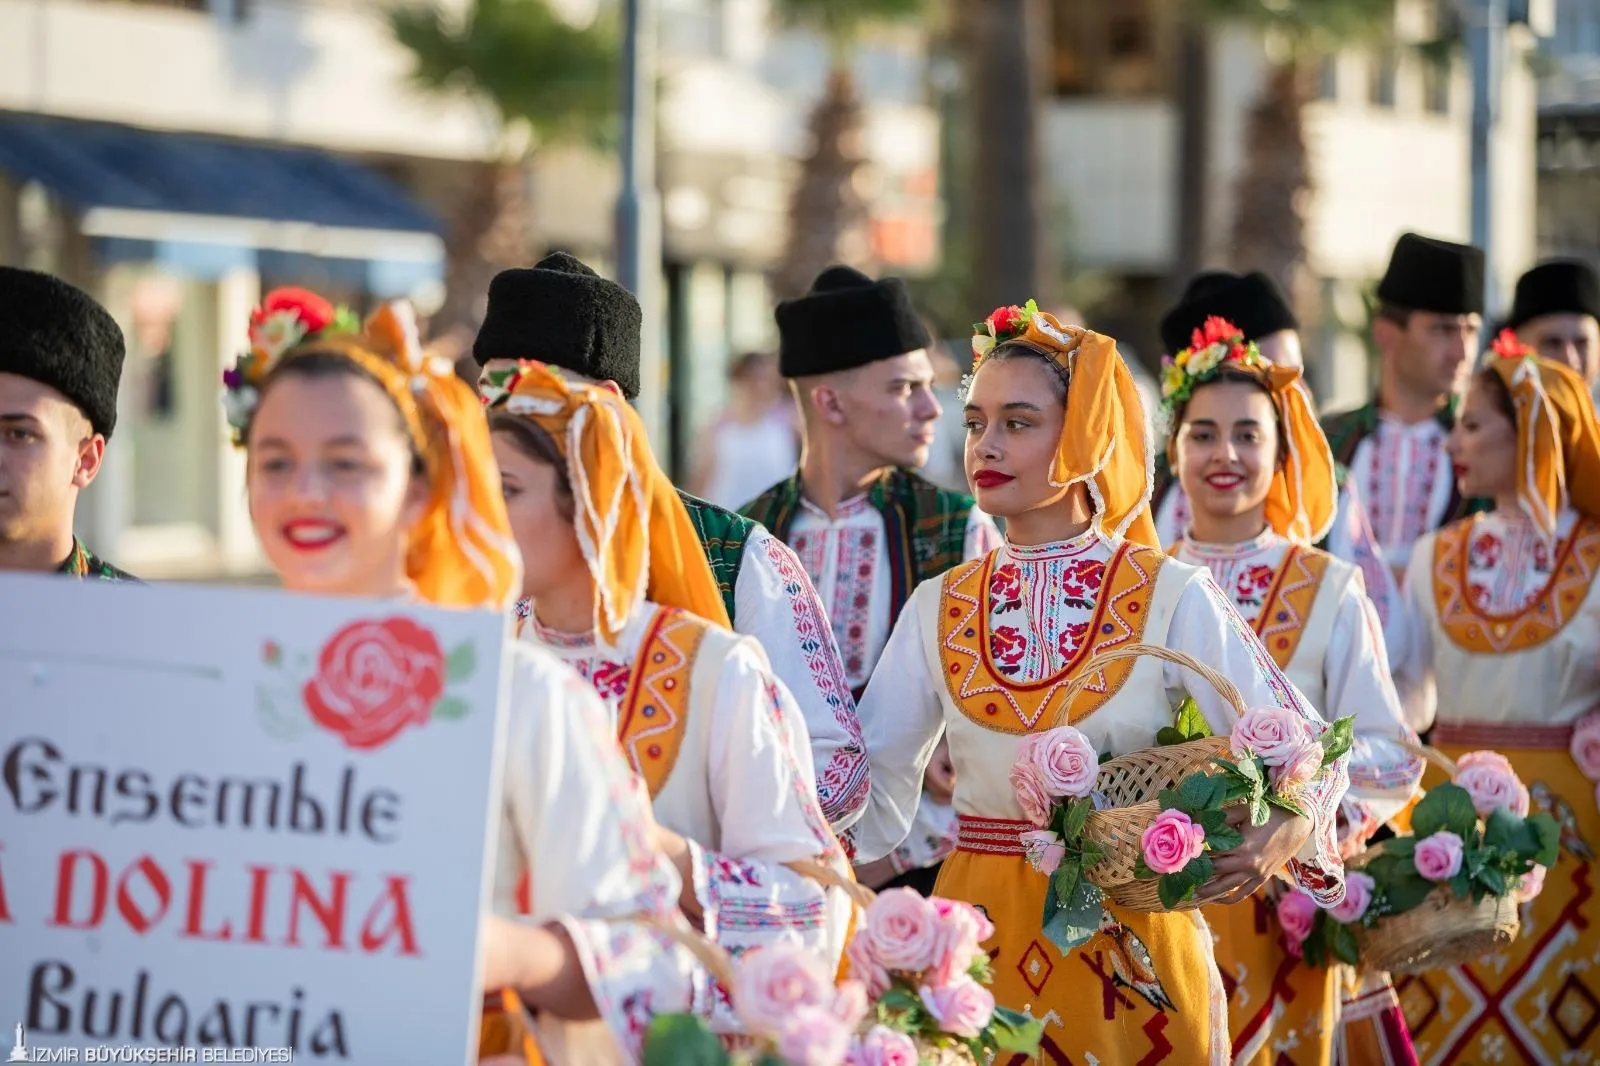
x,y
1256,305
565,315
1430,312
60,364
1556,312
1506,620
1246,446
867,528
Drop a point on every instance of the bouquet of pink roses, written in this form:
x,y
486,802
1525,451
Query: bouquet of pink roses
x,y
916,995
1472,840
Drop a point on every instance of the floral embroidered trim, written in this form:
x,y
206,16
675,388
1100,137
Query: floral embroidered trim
x,y
1474,629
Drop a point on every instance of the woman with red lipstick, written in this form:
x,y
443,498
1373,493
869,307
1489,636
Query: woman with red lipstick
x,y
370,474
1259,478
1506,615
1056,445
718,742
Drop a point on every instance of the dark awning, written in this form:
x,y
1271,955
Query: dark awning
x,y
177,189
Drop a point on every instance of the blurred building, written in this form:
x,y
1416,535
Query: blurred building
x,y
177,158
1388,137
1569,134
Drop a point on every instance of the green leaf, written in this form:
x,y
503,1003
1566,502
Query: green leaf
x,y
1065,880
1342,941
1075,922
1092,853
1076,816
1504,830
1286,804
1213,819
1400,847
1190,722
1406,892
1201,869
1549,835
1445,807
1105,757
463,660
1015,1032
1168,735
1224,839
1175,888
1337,740
451,707
682,1040
1461,884
1493,879
1142,871
1198,792
1258,811
899,998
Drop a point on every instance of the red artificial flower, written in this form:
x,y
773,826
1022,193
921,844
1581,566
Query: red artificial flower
x,y
1509,346
314,312
1237,353
1006,320
1216,330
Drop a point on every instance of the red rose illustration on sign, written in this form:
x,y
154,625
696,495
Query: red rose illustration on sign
x,y
374,678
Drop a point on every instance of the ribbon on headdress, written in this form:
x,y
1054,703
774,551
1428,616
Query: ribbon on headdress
x,y
1304,493
1558,437
635,533
1104,441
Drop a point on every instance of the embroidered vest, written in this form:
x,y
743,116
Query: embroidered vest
x,y
723,535
925,526
996,702
654,713
1475,630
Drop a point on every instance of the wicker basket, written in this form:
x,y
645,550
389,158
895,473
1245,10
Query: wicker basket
x,y
1133,783
1444,930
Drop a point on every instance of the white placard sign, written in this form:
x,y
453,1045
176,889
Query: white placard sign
x,y
242,819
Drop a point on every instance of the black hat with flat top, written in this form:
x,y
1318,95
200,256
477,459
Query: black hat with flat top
x,y
847,320
59,335
562,313
1555,287
1428,274
1253,302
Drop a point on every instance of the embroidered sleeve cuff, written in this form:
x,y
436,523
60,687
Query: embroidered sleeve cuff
x,y
634,972
844,784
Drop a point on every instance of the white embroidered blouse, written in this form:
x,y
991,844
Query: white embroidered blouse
x,y
1405,480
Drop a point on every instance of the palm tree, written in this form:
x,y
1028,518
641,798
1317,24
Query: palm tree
x,y
828,215
1268,231
540,79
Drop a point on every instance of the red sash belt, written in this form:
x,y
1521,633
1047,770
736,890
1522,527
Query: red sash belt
x,y
990,836
1494,737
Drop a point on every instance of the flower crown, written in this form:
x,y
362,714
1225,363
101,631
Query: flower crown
x,y
1216,343
285,318
1003,324
1507,345
498,385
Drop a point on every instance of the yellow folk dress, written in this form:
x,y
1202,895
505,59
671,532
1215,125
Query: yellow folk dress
x,y
985,653
1507,650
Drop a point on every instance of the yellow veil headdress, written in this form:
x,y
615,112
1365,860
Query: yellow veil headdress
x,y
1104,439
461,552
1304,494
635,533
1558,438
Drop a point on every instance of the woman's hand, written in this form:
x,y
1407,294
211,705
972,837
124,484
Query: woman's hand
x,y
538,962
939,780
676,848
1267,848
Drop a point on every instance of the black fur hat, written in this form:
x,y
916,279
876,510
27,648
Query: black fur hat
x,y
1427,274
1555,287
57,334
562,313
847,320
1253,302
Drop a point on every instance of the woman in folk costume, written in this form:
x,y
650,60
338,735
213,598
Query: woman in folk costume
x,y
1259,478
370,473
1057,446
1507,623
718,741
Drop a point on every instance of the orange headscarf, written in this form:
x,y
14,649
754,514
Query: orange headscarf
x,y
1104,440
1558,438
461,552
1304,493
634,530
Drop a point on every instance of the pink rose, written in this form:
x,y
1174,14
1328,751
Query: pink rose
x,y
904,930
1274,733
963,1007
882,1046
1484,758
771,984
865,967
1357,898
1438,857
812,1036
850,1004
962,928
1043,849
1585,746
1296,913
1065,760
1171,841
1033,796
1492,786
1300,766
1531,885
